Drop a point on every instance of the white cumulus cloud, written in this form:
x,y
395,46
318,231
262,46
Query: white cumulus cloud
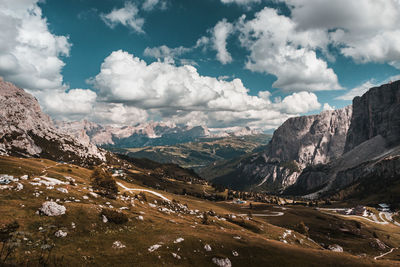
x,y
127,16
180,94
278,47
29,53
240,2
364,30
149,5
220,33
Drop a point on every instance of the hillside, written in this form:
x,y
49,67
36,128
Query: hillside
x,y
197,155
146,230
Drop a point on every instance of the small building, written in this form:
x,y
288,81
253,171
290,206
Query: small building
x,y
383,207
239,201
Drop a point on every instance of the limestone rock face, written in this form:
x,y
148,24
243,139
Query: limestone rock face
x,y
26,131
377,112
372,150
311,139
300,141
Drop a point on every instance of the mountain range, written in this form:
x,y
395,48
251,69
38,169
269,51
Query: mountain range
x,y
145,134
312,156
322,155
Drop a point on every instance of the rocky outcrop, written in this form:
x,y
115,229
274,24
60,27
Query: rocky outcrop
x,y
51,208
299,142
26,131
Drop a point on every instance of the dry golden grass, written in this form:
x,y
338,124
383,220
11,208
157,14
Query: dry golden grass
x,y
91,241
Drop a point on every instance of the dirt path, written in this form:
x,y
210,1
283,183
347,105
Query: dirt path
x,y
272,214
384,254
143,190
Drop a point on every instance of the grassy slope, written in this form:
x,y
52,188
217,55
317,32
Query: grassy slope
x,y
90,243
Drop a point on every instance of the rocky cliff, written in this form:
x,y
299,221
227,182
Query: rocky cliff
x,y
377,112
300,141
372,147
26,131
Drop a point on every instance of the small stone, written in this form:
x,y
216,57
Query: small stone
x,y
62,190
176,256
60,233
118,245
207,247
179,240
335,248
222,262
154,247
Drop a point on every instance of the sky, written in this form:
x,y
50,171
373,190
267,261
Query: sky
x,y
219,63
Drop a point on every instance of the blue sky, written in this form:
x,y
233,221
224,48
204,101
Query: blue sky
x,y
222,63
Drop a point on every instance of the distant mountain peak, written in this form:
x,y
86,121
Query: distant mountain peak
x,y
146,134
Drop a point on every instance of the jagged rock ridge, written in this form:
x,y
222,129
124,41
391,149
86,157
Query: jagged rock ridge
x,y
26,131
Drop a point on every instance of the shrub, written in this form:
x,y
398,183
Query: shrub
x,y
143,196
302,228
7,237
205,218
103,183
114,216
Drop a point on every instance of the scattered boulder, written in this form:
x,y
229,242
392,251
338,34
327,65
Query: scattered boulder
x,y
235,253
5,179
154,247
222,262
62,190
19,187
179,240
335,248
118,245
60,233
51,208
207,247
176,256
